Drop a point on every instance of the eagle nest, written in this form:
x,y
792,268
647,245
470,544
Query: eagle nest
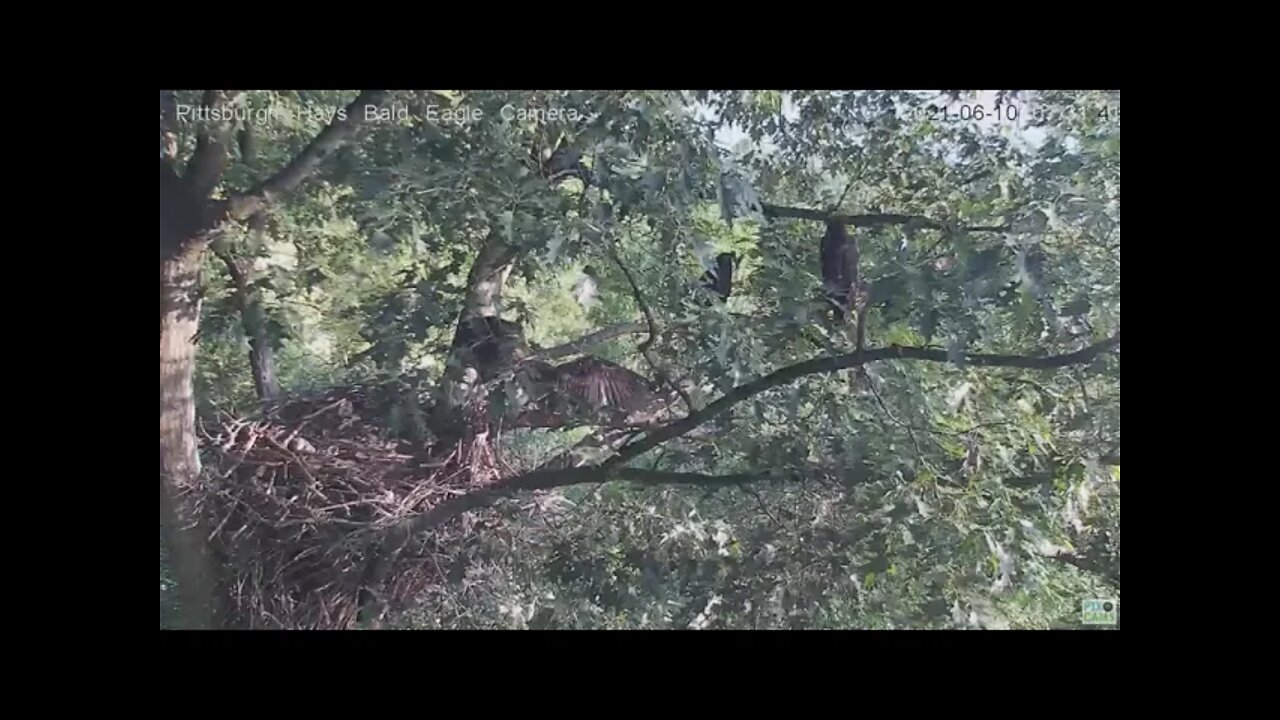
x,y
308,504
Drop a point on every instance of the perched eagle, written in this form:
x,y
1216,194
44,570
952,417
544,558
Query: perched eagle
x,y
719,279
839,263
490,344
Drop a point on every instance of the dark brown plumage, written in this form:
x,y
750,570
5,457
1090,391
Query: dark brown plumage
x,y
602,385
719,279
490,343
839,268
590,384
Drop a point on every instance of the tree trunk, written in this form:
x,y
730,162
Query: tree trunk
x,y
264,366
180,475
253,317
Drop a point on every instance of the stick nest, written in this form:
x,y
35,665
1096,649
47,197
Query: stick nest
x,y
306,500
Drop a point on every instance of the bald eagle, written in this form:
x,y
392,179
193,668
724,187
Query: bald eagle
x,y
719,278
839,262
588,385
490,344
591,385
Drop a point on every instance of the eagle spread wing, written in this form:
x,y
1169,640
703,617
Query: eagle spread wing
x,y
600,384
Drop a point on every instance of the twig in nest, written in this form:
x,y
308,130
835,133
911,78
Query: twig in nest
x,y
231,430
294,537
230,513
293,456
244,453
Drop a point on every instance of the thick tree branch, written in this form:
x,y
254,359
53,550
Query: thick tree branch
x,y
870,220
209,161
487,276
334,136
610,470
843,362
188,223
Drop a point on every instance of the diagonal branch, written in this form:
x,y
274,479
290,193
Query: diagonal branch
x,y
844,194
238,277
843,362
301,166
871,385
760,501
610,470
192,222
870,220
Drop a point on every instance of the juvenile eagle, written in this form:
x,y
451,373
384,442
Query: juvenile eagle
x,y
592,385
839,261
719,279
489,344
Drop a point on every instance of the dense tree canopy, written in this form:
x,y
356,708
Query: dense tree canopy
x,y
606,359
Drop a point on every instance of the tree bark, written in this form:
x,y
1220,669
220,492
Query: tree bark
x,y
193,565
262,362
487,276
